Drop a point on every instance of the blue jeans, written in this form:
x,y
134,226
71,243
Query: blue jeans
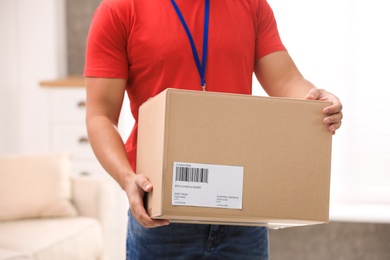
x,y
194,241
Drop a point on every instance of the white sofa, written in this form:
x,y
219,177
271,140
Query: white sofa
x,y
72,223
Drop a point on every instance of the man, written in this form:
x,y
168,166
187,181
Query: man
x,y
145,46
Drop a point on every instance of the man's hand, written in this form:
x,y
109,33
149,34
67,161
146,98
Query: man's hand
x,y
333,113
135,189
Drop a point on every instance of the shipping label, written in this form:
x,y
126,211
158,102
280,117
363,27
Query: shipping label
x,y
207,185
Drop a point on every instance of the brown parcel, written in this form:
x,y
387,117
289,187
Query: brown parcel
x,y
282,145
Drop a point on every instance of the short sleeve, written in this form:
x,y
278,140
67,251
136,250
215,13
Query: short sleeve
x,y
267,35
106,51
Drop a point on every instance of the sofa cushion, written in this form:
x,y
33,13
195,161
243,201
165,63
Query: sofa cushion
x,y
13,255
36,185
54,238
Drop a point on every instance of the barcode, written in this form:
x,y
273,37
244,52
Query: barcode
x,y
189,174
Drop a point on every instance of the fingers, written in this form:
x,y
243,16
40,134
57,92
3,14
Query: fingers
x,y
333,112
333,124
333,118
139,213
335,108
140,184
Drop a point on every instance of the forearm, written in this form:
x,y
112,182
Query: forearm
x,y
295,88
109,149
104,102
279,76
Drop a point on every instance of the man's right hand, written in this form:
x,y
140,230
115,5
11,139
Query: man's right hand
x,y
135,189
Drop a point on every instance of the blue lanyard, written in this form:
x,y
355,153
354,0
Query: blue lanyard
x,y
201,67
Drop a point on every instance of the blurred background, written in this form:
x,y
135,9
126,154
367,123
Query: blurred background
x,y
339,45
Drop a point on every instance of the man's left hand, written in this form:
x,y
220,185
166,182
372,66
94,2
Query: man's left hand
x,y
333,113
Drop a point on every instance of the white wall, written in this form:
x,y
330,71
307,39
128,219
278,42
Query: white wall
x,y
33,49
9,84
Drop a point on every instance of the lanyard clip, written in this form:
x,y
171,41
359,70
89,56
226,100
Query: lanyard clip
x,y
203,84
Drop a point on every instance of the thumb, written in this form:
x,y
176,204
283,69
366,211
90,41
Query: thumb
x,y
144,183
313,94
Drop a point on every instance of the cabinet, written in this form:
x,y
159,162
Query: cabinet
x,y
67,129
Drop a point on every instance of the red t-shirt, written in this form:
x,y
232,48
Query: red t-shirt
x,y
144,42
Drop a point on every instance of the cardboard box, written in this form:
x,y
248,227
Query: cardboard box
x,y
235,159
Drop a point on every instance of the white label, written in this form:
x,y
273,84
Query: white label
x,y
207,185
